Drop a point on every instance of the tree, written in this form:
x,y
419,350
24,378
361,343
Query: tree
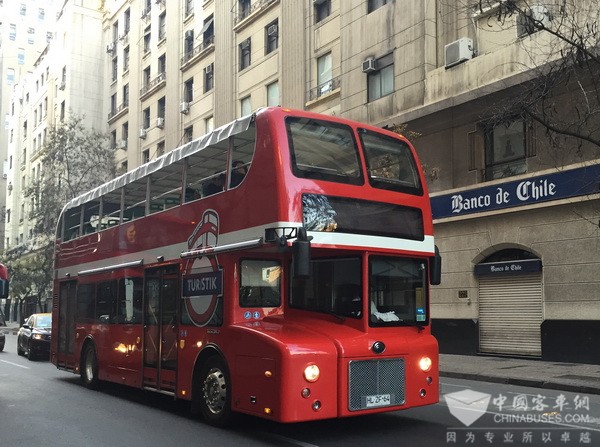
x,y
74,160
562,93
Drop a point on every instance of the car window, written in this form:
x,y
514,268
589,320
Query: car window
x,y
43,321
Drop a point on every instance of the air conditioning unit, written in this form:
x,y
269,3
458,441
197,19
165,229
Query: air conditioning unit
x,y
160,122
110,47
272,30
122,144
459,51
369,65
530,21
184,107
143,133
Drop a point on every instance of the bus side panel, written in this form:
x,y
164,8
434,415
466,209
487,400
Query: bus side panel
x,y
267,372
123,354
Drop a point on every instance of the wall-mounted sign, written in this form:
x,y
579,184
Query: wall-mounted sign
x,y
508,267
543,188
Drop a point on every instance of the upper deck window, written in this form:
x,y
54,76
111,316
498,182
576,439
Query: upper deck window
x,y
323,150
390,163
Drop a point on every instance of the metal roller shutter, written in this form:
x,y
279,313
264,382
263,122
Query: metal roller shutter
x,y
510,314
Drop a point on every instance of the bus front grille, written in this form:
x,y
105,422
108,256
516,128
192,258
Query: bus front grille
x,y
375,383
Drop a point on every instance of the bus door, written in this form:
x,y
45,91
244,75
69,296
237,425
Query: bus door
x,y
161,292
67,306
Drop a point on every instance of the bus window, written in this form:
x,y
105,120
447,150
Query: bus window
x,y
334,286
86,303
105,304
72,223
135,199
165,187
111,209
91,217
391,164
206,170
397,288
242,151
129,304
260,284
323,150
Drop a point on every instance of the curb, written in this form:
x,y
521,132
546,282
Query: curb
x,y
544,384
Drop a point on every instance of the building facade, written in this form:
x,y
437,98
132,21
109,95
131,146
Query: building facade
x,y
25,30
516,209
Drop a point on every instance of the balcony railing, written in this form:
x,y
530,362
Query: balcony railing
x,y
117,112
154,83
324,88
198,50
256,6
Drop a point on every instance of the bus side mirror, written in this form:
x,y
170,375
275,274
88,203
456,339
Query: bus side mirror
x,y
3,288
435,268
301,254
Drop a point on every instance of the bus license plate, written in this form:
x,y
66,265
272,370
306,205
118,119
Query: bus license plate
x,y
379,400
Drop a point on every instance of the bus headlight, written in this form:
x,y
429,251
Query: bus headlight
x,y
425,364
311,373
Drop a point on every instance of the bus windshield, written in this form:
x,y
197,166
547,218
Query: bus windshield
x,y
334,287
397,288
323,150
391,163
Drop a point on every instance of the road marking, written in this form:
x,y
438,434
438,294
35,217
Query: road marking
x,y
15,364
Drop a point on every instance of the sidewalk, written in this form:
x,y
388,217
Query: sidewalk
x,y
10,328
574,377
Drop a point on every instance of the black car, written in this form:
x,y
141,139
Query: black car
x,y
33,338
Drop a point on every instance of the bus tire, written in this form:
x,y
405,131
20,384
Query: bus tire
x,y
212,398
89,368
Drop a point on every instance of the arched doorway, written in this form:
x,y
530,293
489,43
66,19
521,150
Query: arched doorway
x,y
510,303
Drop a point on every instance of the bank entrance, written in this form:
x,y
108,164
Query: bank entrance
x,y
510,303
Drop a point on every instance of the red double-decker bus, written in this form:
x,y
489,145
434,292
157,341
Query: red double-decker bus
x,y
278,266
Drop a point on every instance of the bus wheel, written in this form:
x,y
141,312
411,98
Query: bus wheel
x,y
89,368
213,398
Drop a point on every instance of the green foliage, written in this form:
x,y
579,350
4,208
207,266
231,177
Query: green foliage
x,y
74,159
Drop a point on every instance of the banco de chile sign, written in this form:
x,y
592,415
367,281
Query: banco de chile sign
x,y
542,188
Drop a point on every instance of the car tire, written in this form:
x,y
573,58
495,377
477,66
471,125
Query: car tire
x,y
19,350
89,368
212,396
30,355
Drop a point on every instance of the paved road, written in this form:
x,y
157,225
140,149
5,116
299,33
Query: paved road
x,y
40,405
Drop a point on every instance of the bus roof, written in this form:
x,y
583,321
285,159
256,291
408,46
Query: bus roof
x,y
210,139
